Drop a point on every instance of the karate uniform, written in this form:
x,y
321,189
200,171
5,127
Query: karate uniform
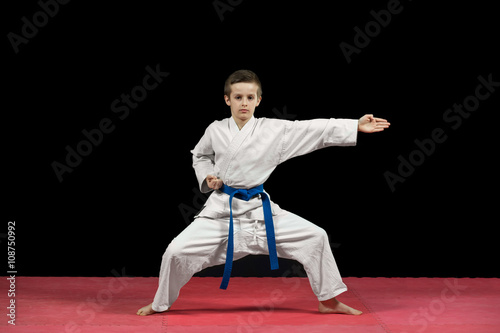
x,y
244,159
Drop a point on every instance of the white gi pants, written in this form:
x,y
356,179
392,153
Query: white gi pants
x,y
203,244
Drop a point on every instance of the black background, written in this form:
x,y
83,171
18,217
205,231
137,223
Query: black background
x,y
121,206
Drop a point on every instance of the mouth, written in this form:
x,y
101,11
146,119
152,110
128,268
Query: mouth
x,y
244,110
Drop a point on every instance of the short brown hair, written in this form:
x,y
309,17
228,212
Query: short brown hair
x,y
242,75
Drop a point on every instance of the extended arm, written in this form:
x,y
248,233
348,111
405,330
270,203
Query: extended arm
x,y
302,137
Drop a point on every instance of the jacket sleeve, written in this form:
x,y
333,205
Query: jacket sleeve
x,y
302,137
204,160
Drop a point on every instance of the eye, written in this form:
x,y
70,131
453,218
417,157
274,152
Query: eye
x,y
250,97
237,97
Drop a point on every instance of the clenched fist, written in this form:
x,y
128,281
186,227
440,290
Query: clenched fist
x,y
213,182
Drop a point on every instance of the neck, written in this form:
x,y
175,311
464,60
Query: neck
x,y
240,123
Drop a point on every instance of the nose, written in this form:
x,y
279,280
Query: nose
x,y
244,101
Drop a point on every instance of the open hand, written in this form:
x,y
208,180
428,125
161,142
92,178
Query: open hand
x,y
213,182
369,124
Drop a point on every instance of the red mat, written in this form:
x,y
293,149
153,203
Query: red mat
x,y
70,304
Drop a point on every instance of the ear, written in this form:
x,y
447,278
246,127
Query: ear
x,y
258,101
228,101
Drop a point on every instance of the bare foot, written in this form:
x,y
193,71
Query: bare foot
x,y
147,310
334,306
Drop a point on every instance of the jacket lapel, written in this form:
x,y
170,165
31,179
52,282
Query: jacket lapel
x,y
238,138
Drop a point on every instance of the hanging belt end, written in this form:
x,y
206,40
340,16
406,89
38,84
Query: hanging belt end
x,y
274,265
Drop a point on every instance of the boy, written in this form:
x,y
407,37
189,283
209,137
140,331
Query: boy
x,y
233,159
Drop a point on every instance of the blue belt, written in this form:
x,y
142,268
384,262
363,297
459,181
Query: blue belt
x,y
268,217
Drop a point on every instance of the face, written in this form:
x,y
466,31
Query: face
x,y
243,101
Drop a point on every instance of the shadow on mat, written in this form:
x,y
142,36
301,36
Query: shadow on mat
x,y
236,309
